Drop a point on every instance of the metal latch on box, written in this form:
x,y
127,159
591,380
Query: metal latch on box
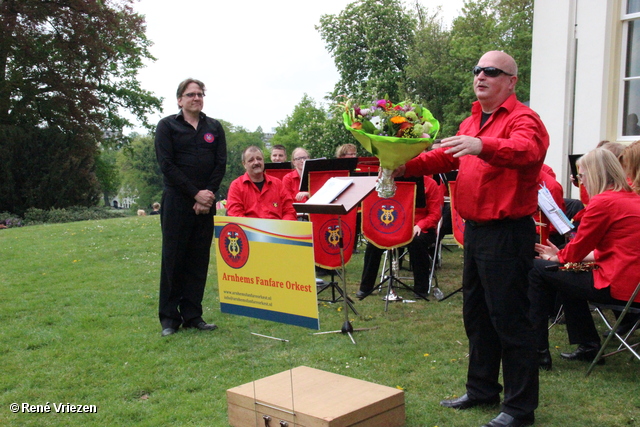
x,y
267,419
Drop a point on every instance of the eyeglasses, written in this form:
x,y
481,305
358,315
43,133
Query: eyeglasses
x,y
297,159
489,71
194,95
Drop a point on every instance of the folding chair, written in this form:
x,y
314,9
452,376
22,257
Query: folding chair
x,y
624,340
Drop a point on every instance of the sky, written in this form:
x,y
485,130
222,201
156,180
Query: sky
x,y
257,58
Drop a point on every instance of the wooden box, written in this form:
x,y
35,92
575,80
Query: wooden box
x,y
307,397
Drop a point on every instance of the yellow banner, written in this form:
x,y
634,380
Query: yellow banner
x,y
266,269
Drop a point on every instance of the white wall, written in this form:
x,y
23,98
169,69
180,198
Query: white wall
x,y
572,45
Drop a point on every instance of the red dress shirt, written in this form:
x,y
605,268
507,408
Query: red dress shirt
x,y
502,181
291,183
273,202
427,218
609,227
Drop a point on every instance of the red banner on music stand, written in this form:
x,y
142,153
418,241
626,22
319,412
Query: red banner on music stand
x,y
326,247
388,223
326,243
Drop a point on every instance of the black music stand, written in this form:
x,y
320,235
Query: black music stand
x,y
342,205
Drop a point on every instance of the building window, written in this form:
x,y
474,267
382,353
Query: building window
x,y
631,78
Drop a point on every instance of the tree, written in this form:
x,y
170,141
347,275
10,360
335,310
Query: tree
x,y
369,42
141,176
108,174
431,79
238,138
486,25
334,134
44,168
302,128
72,65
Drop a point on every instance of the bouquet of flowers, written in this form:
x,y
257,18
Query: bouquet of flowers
x,y
394,133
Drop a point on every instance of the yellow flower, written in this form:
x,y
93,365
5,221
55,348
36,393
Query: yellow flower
x,y
398,119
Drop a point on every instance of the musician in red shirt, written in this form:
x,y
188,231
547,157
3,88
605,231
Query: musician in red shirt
x,y
291,180
256,194
498,152
608,235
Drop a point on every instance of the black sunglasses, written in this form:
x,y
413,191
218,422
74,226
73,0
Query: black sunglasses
x,y
489,71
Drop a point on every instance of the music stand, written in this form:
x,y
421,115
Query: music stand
x,y
342,205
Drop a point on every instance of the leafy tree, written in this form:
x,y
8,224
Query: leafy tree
x,y
369,41
431,78
334,134
141,176
108,174
72,65
238,138
302,128
489,25
45,168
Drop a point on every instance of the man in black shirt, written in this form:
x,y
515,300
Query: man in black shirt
x,y
192,152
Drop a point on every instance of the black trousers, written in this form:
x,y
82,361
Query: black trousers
x,y
575,290
419,249
186,246
497,259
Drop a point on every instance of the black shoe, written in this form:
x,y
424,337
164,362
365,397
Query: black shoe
x,y
203,326
421,295
584,352
464,402
168,331
505,420
544,360
622,330
363,294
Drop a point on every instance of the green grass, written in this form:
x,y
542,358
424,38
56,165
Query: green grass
x,y
78,316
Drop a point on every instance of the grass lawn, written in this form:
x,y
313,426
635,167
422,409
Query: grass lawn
x,y
78,309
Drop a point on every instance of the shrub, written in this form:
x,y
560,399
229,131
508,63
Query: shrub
x,y
72,214
10,220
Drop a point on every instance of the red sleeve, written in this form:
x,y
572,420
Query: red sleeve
x,y
434,196
235,203
593,226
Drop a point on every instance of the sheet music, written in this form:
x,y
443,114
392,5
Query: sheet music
x,y
552,211
329,191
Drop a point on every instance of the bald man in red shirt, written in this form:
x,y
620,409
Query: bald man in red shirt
x,y
498,151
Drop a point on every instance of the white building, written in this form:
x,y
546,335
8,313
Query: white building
x,y
585,75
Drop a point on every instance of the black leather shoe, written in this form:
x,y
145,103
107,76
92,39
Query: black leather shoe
x,y
363,294
505,420
464,402
622,330
544,360
584,352
168,331
203,326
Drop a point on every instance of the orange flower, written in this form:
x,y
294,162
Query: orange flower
x,y
356,125
398,119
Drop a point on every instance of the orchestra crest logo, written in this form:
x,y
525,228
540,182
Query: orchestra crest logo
x,y
330,236
389,216
234,246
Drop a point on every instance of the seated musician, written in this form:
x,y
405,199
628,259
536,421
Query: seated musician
x,y
291,180
608,235
257,195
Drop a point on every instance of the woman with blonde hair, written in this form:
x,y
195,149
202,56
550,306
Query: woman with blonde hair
x,y
608,236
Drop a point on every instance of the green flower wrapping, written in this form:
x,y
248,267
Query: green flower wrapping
x,y
392,151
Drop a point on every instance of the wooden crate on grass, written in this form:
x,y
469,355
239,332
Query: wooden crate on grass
x,y
307,397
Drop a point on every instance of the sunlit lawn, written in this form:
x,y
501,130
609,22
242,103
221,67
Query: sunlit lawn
x,y
78,304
